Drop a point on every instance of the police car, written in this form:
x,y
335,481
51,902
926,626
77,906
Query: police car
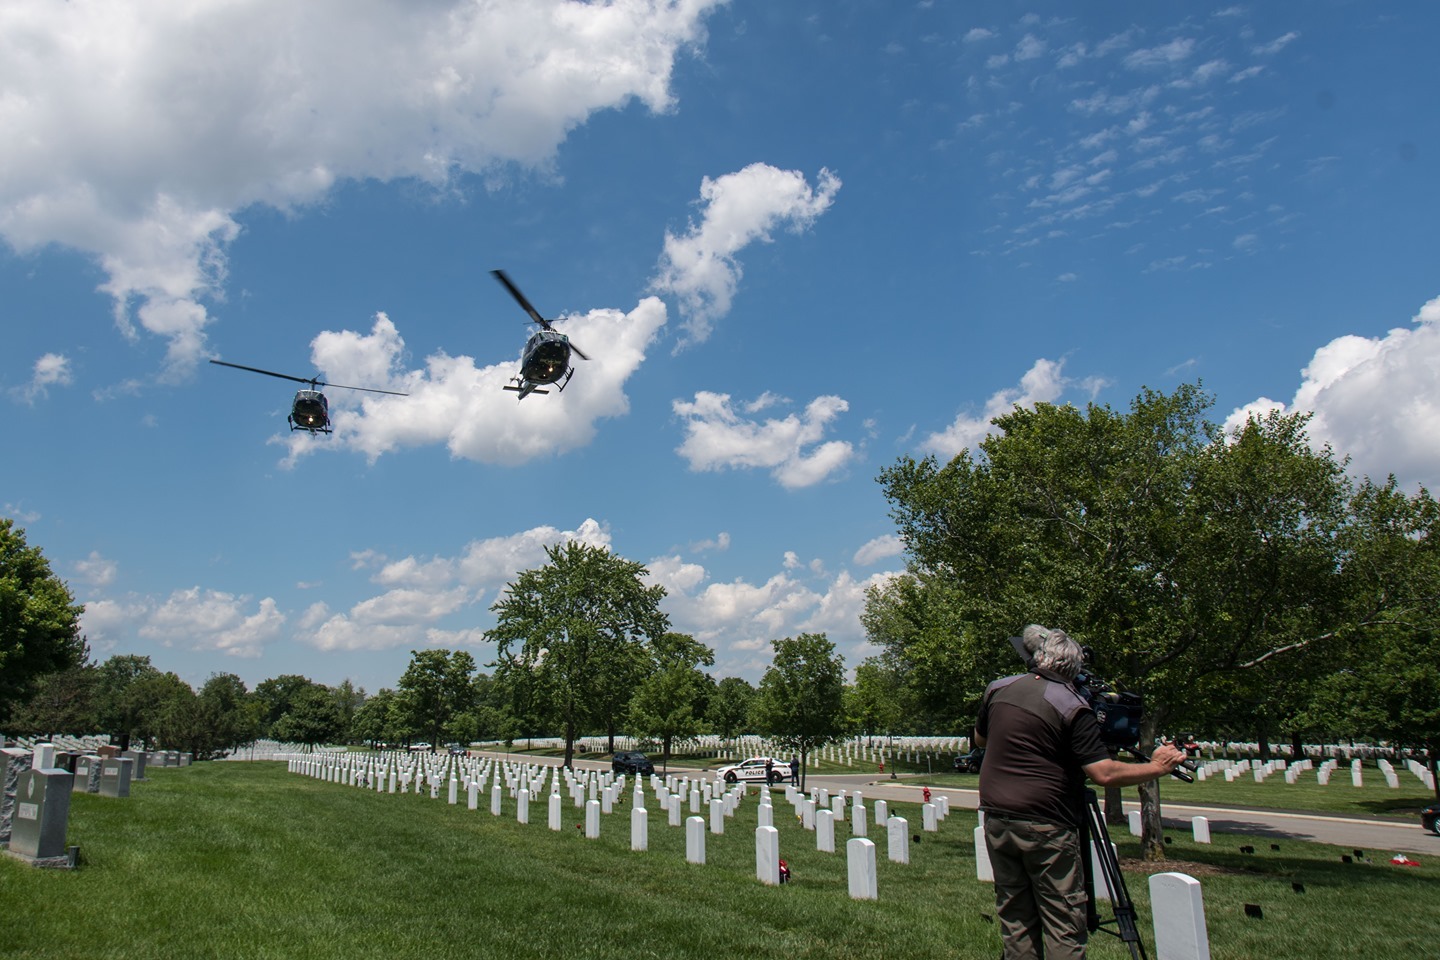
x,y
754,770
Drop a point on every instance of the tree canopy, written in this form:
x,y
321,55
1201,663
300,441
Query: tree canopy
x,y
800,701
39,620
573,636
1183,557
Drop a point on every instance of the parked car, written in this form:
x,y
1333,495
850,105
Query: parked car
x,y
418,747
631,761
456,749
754,770
970,762
1430,818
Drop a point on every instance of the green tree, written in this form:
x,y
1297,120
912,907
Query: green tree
x,y
1178,554
663,707
1383,682
120,697
562,630
348,700
230,716
65,702
375,720
275,697
436,687
39,620
800,701
729,711
312,718
168,712
874,702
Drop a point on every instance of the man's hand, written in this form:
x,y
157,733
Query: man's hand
x,y
1113,773
1168,755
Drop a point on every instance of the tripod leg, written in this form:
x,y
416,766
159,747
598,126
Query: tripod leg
x,y
1114,880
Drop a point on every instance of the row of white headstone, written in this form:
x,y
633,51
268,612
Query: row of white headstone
x,y
1177,904
816,810
1234,769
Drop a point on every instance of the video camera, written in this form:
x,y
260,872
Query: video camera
x,y
1118,712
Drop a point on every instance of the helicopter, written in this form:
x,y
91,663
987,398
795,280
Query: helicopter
x,y
546,358
309,410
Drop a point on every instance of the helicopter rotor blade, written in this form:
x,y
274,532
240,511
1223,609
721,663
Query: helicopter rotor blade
x,y
577,351
269,373
341,386
520,298
315,382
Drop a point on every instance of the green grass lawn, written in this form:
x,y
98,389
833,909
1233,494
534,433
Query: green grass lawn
x,y
247,860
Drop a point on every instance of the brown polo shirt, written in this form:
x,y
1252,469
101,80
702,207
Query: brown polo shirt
x,y
1039,735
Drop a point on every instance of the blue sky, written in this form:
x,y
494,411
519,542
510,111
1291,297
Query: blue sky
x,y
798,240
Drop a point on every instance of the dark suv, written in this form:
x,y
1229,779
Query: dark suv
x,y
970,762
632,761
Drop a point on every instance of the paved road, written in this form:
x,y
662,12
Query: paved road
x,y
1374,837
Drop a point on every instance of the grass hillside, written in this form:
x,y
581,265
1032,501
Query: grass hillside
x,y
246,860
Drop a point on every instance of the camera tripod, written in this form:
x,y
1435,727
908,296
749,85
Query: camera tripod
x,y
1093,831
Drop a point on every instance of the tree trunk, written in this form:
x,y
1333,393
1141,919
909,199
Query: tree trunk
x,y
1262,739
1152,840
1297,749
1114,806
570,744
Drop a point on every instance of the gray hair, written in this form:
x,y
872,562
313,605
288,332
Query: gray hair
x,y
1053,650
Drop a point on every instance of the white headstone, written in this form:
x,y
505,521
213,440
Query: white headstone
x,y
859,820
1179,911
1201,829
825,831
860,854
983,871
767,856
639,829
1102,886
1136,827
898,831
695,840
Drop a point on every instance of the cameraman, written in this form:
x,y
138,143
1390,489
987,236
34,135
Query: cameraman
x,y
1042,741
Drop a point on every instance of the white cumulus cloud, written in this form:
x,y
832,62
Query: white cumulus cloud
x,y
51,370
881,548
1376,399
1044,382
700,268
213,620
136,131
420,593
718,437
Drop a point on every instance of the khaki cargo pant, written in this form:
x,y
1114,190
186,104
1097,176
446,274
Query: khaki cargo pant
x,y
1039,888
